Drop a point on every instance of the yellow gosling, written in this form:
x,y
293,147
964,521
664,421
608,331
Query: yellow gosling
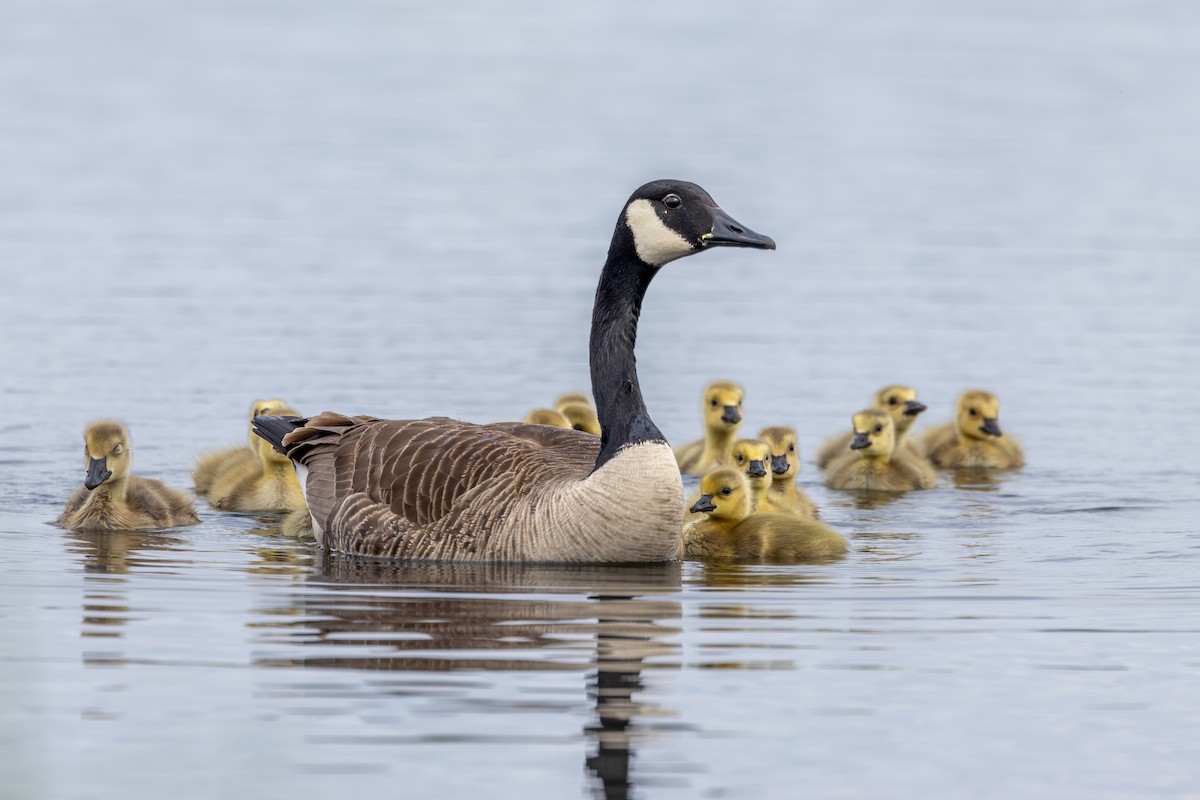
x,y
572,397
547,416
582,417
901,404
266,486
721,406
974,438
111,498
784,496
752,458
874,462
731,531
211,465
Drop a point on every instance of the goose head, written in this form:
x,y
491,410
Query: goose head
x,y
901,404
106,453
978,415
785,458
581,417
874,434
670,219
722,406
753,458
723,495
547,416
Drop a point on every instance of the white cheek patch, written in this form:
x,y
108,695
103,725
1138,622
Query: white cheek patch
x,y
656,244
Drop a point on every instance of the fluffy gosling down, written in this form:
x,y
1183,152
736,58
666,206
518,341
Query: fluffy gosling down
x,y
721,406
752,458
974,438
572,411
875,463
731,531
901,404
784,496
266,485
547,416
212,465
111,498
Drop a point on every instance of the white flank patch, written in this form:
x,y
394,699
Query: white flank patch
x,y
302,477
656,244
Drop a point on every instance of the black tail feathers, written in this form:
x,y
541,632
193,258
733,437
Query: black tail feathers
x,y
273,429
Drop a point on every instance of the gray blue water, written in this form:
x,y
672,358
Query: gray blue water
x,y
401,209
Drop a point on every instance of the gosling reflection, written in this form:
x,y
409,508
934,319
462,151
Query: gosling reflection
x,y
438,617
978,480
107,556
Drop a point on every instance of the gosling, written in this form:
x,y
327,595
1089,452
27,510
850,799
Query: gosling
x,y
731,531
268,485
875,463
210,466
721,406
901,404
784,496
752,458
547,416
111,498
974,438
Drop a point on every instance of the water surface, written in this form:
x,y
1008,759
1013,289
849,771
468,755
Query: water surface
x,y
402,210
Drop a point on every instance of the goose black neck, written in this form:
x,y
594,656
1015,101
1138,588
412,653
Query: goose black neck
x,y
623,283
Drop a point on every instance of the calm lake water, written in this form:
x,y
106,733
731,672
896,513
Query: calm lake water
x,y
402,209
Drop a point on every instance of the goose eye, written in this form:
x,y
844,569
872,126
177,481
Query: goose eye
x,y
117,449
713,402
672,201
741,458
972,412
879,429
892,401
791,448
727,490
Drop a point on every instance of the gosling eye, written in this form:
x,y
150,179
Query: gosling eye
x,y
791,448
713,402
879,429
741,458
892,401
727,490
972,412
672,201
117,449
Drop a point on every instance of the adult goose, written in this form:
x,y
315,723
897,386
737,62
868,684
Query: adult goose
x,y
438,488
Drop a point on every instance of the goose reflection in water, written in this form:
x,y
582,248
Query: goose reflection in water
x,y
436,617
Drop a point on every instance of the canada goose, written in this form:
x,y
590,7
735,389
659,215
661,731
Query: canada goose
x,y
582,417
444,489
752,458
721,407
547,416
784,496
875,463
268,485
974,439
901,404
111,498
732,531
211,465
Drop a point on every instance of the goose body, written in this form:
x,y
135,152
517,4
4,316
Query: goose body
x,y
901,404
874,463
112,499
730,530
784,496
974,438
444,489
721,409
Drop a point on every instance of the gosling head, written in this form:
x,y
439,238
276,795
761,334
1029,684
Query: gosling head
x,y
753,458
572,397
582,417
106,453
874,434
722,406
547,416
785,457
723,495
267,408
901,403
978,414
670,219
